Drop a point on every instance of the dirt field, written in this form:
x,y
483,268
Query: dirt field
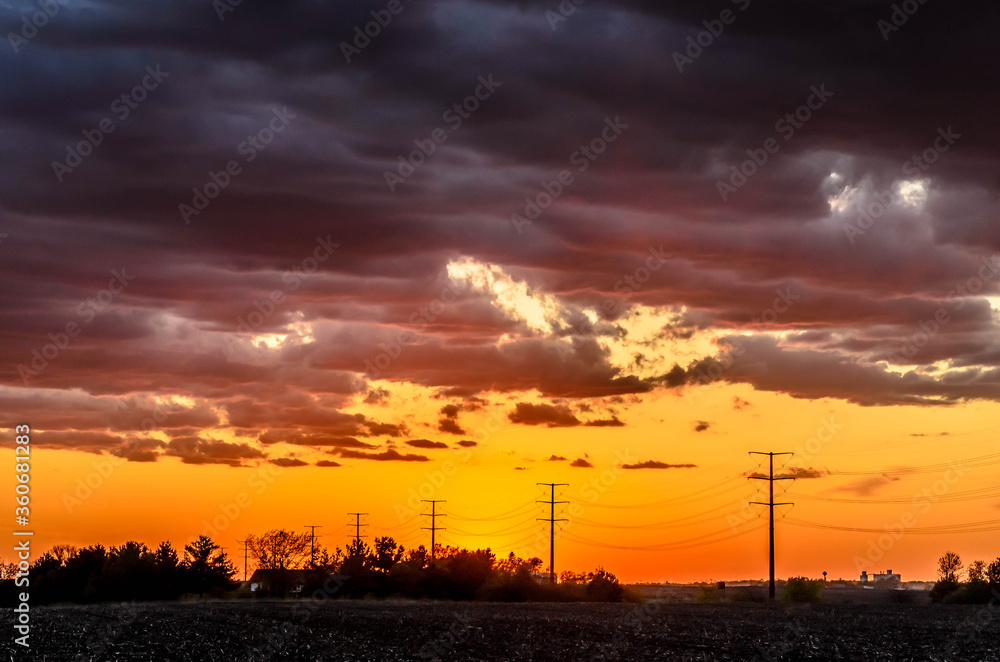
x,y
480,631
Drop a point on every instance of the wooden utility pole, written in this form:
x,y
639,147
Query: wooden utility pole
x,y
770,478
551,519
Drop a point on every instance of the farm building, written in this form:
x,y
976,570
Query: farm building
x,y
888,575
277,582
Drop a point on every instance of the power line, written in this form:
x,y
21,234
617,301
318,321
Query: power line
x,y
357,527
970,463
968,495
770,504
697,541
551,519
434,514
942,529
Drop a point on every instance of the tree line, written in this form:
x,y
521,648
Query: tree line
x,y
982,585
133,571
386,568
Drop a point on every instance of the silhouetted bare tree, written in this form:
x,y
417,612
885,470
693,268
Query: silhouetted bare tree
x,y
280,549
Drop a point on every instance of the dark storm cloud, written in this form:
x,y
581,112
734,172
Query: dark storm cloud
x,y
656,464
552,416
773,257
195,450
288,462
389,455
449,421
425,443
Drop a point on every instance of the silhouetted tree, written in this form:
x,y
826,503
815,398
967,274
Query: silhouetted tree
x,y
604,587
128,572
8,571
170,574
80,581
208,568
946,588
280,549
993,573
387,553
570,577
949,567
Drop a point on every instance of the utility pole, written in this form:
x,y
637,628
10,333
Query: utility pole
x,y
433,527
551,519
357,527
246,550
771,504
312,555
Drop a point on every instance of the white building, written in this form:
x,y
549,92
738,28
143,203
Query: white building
x,y
888,575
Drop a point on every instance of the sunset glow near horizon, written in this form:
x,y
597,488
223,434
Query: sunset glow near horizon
x,y
394,296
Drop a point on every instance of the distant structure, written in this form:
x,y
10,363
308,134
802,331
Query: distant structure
x,y
277,582
888,575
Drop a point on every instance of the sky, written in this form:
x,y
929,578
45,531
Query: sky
x,y
267,264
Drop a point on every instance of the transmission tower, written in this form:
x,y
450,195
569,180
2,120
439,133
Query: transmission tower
x,y
551,519
770,478
434,528
357,527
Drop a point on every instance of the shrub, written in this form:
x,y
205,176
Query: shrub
x,y
709,593
901,597
604,587
747,594
942,590
802,589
